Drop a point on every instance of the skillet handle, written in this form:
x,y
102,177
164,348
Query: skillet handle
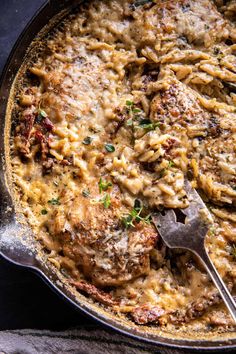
x,y
219,283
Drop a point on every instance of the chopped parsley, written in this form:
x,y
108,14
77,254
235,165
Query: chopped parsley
x,y
87,140
106,200
44,211
86,193
110,147
135,216
54,201
103,185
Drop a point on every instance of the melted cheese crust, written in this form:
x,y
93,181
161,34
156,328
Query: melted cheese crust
x,y
127,100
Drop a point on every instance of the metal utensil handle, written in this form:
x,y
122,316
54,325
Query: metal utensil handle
x,y
219,283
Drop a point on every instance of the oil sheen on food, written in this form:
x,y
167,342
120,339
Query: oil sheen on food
x,y
125,101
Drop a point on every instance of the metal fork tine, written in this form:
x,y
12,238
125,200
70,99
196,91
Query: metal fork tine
x,y
195,203
193,196
168,217
174,232
190,235
165,223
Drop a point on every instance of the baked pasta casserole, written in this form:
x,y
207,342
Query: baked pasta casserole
x,y
126,100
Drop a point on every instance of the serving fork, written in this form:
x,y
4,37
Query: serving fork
x,y
187,228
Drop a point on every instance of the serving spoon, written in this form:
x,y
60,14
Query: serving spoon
x,y
190,234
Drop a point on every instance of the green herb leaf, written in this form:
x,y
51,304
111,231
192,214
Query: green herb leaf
x,y
86,193
43,113
171,164
135,216
103,185
141,2
148,219
128,221
44,211
147,125
137,204
106,200
54,201
137,110
109,147
145,122
162,172
129,103
87,140
134,114
129,122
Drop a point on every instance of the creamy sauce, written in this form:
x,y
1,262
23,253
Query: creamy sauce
x,y
126,101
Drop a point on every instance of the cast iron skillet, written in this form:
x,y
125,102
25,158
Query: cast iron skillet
x,y
20,250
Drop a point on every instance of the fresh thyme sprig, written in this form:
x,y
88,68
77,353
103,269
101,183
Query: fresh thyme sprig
x,y
103,185
106,200
135,216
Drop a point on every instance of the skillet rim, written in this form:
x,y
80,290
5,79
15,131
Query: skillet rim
x,y
11,68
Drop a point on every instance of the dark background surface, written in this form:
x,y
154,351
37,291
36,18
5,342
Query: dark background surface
x,y
25,301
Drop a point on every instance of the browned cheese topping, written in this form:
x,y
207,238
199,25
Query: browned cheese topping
x,y
126,100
